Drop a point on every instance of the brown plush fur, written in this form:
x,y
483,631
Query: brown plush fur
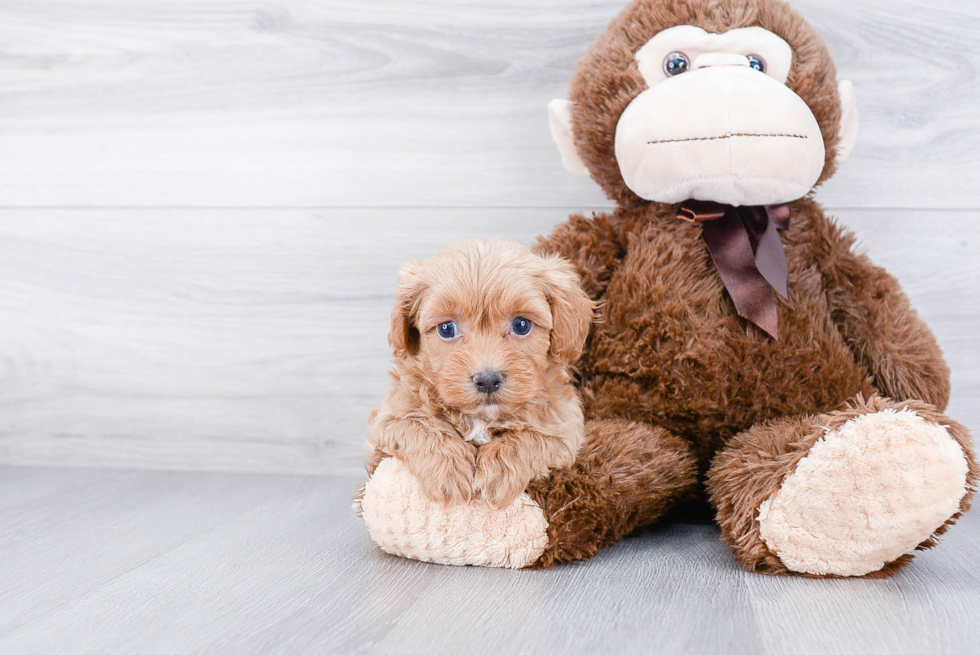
x,y
672,356
626,475
672,352
535,419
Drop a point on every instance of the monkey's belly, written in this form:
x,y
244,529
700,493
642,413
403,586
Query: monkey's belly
x,y
676,355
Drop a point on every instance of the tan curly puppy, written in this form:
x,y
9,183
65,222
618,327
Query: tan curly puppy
x,y
482,400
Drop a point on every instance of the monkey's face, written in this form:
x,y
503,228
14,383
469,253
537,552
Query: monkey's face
x,y
718,121
710,116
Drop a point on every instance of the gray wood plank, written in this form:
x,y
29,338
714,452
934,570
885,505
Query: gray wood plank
x,y
212,562
256,340
59,547
932,607
422,103
18,485
654,593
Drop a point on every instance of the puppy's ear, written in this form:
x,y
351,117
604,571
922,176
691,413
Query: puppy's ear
x,y
571,309
404,336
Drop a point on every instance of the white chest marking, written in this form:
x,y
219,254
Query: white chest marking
x,y
478,433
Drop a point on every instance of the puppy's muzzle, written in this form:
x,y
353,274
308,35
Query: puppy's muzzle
x,y
488,382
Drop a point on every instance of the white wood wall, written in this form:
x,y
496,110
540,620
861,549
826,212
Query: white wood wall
x,y
203,204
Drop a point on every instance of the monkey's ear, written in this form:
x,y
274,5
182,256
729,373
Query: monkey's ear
x,y
848,120
560,121
571,309
404,336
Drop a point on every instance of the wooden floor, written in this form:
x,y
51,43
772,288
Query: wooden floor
x,y
104,561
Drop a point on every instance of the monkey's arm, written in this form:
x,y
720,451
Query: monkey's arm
x,y
879,324
593,245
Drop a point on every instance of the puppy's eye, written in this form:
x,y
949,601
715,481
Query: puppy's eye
x,y
521,326
447,330
676,63
758,63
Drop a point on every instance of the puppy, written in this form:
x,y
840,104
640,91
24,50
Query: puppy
x,y
482,400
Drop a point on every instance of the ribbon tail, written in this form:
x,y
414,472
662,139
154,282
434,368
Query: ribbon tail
x,y
770,260
779,214
731,250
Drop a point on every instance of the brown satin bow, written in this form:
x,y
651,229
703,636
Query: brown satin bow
x,y
745,246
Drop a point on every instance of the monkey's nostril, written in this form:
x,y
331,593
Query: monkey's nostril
x,y
488,381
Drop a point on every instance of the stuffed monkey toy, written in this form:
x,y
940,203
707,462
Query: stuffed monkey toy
x,y
747,354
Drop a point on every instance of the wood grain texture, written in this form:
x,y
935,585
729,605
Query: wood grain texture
x,y
153,562
421,103
256,340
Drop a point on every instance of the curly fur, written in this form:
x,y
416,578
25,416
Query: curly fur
x,y
533,423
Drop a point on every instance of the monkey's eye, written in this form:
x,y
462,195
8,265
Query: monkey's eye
x,y
447,330
676,63
521,326
757,62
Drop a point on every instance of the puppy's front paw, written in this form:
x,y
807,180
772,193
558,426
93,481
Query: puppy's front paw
x,y
499,479
446,473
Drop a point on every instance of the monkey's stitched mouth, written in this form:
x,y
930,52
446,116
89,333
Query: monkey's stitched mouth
x,y
729,136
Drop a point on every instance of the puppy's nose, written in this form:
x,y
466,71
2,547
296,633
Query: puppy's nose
x,y
488,381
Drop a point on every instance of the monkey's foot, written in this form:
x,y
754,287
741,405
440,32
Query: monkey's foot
x,y
867,493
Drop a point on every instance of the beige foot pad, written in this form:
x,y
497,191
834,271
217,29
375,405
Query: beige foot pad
x,y
404,522
865,494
